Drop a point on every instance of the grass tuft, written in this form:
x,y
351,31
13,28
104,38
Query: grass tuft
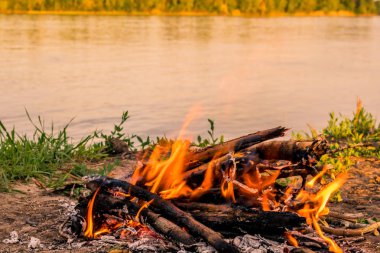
x,y
356,136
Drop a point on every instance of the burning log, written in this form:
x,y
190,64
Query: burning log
x,y
229,220
110,204
207,154
169,210
246,171
291,150
294,151
163,225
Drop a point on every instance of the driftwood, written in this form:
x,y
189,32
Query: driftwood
x,y
232,221
205,155
170,211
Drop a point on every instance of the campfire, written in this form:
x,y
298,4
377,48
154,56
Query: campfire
x,y
252,185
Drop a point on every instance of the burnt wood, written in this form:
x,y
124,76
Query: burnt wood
x,y
170,211
201,156
236,220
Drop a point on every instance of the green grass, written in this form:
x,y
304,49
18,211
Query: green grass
x,y
52,157
39,156
355,136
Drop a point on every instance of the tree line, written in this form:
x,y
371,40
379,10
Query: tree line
x,y
257,7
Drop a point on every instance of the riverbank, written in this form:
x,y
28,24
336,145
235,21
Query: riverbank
x,y
33,211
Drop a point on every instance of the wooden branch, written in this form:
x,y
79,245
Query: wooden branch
x,y
169,210
351,232
232,221
162,225
201,156
107,203
295,151
346,216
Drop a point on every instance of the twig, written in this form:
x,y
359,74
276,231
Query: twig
x,y
351,232
61,229
346,216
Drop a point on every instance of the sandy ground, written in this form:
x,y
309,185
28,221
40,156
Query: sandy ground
x,y
36,213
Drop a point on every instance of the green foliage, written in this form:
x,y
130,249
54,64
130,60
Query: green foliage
x,y
39,156
211,139
46,154
357,136
118,133
210,6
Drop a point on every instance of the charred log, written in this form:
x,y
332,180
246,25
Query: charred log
x,y
110,204
170,211
295,151
204,155
236,220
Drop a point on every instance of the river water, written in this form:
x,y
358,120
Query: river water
x,y
245,73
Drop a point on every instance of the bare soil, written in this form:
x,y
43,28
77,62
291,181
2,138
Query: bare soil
x,y
38,213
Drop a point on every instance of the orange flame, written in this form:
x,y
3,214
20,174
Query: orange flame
x,y
164,172
165,176
318,176
90,221
145,205
263,184
316,207
293,241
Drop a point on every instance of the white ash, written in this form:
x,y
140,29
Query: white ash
x,y
13,238
258,244
148,244
69,207
34,243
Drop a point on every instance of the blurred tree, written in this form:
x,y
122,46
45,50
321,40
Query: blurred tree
x,y
281,5
249,6
293,6
308,5
212,6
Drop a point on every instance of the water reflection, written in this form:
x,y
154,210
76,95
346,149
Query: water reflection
x,y
247,74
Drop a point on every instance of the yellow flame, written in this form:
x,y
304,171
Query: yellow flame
x,y
90,222
318,176
145,205
293,241
164,172
316,207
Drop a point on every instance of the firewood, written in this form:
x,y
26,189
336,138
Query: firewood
x,y
233,220
110,204
291,150
295,151
204,155
162,225
351,232
170,211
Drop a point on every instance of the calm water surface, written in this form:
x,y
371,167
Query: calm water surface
x,y
246,74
